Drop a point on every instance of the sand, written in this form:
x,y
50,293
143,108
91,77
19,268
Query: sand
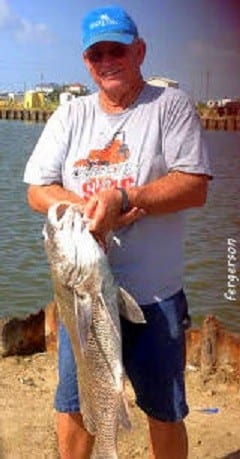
x,y
27,424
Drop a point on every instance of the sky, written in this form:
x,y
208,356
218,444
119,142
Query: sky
x,y
196,42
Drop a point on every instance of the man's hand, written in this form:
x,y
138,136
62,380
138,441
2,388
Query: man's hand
x,y
104,212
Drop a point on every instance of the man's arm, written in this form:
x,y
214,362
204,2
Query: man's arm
x,y
41,197
171,193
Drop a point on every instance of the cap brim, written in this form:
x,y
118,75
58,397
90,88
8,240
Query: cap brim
x,y
125,39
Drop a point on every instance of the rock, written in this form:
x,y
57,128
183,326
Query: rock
x,y
22,336
211,349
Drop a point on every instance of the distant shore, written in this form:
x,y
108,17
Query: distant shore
x,y
211,123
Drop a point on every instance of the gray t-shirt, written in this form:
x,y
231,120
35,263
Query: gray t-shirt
x,y
86,150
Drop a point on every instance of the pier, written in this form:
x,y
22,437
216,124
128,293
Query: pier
x,y
230,123
221,123
36,115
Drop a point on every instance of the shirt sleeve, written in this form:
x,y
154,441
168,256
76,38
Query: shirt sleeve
x,y
184,144
45,163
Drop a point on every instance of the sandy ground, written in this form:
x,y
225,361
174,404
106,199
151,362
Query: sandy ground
x,y
27,429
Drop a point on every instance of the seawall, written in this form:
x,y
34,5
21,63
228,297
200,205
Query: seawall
x,y
25,115
229,123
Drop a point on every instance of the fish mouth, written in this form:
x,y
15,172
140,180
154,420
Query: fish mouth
x,y
64,214
60,210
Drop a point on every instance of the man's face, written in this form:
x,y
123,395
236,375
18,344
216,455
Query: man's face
x,y
115,66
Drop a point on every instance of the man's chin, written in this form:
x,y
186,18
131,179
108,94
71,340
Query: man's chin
x,y
112,85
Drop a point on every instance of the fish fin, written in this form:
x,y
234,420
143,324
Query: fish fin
x,y
124,419
128,307
83,314
103,303
89,424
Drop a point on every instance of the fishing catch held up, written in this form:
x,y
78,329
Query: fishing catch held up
x,y
89,304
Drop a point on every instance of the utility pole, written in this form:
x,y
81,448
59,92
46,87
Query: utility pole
x,y
207,84
201,91
41,80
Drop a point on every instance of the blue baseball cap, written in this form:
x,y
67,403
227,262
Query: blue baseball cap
x,y
108,23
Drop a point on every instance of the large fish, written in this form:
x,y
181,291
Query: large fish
x,y
89,303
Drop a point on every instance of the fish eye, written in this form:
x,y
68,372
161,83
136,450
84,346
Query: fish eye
x,y
82,296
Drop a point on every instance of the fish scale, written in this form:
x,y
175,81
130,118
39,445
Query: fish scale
x,y
89,305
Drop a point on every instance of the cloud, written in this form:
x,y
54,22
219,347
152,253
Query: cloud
x,y
4,14
28,31
22,29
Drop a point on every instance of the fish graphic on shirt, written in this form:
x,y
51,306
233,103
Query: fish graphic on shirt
x,y
105,168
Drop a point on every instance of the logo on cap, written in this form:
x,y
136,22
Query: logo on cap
x,y
103,21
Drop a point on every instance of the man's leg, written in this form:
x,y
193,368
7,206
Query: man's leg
x,y
154,359
74,441
168,440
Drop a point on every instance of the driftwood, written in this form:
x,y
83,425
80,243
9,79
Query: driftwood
x,y
210,348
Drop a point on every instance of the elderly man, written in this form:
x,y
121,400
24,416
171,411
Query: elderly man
x,y
134,157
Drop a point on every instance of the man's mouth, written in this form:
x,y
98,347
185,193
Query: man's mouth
x,y
109,73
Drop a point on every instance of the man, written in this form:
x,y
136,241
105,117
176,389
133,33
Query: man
x,y
133,156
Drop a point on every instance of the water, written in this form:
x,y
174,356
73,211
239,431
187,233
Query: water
x,y
24,276
208,231
25,285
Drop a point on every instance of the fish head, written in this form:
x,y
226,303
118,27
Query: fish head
x,y
75,260
71,249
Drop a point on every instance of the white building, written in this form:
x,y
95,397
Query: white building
x,y
46,88
65,97
162,82
224,101
76,89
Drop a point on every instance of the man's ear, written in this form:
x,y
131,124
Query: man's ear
x,y
141,50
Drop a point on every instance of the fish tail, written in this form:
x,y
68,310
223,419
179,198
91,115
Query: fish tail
x,y
100,453
124,419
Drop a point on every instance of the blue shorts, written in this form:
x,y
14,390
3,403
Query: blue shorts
x,y
153,357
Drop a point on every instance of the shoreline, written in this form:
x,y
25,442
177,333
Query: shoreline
x,y
210,347
28,382
216,123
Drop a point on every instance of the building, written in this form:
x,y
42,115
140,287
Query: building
x,y
16,97
231,108
46,88
162,82
65,97
33,99
77,89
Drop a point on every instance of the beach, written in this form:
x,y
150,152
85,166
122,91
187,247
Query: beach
x,y
27,419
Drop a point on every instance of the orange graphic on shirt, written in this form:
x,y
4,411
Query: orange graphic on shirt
x,y
94,185
114,152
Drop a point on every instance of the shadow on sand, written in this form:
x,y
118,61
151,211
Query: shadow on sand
x,y
235,455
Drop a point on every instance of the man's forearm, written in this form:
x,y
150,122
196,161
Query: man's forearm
x,y
40,198
174,192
